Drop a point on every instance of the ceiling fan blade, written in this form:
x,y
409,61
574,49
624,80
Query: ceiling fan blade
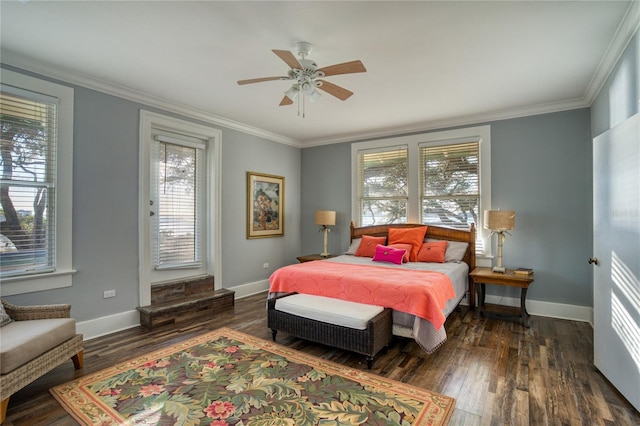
x,y
335,90
258,80
288,57
286,101
345,68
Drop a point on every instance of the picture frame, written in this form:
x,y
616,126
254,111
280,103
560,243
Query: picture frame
x,y
265,205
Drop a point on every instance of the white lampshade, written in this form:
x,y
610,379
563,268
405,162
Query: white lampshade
x,y
292,93
325,217
499,220
314,96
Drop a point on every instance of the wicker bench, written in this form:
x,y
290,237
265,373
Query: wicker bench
x,y
351,326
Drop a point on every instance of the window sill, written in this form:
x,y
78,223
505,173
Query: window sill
x,y
37,282
484,260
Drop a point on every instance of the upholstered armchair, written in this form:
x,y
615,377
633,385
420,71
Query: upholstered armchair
x,y
33,341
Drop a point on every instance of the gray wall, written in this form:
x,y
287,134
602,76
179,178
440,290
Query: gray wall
x,y
540,168
326,185
242,259
619,97
105,207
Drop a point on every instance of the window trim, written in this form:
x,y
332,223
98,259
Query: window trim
x,y
148,121
482,134
63,274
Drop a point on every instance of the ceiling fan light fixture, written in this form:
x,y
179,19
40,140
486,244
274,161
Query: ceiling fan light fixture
x,y
305,74
314,96
307,88
292,93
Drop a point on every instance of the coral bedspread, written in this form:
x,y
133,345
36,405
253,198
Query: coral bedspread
x,y
420,293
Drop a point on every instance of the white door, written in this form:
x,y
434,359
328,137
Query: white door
x,y
616,245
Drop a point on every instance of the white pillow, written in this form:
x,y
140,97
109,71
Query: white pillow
x,y
353,248
4,316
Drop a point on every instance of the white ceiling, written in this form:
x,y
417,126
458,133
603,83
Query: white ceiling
x,y
429,64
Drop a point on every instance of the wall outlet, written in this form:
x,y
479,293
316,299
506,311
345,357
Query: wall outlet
x,y
109,293
265,265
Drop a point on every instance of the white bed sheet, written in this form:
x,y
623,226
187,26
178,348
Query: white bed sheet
x,y
407,325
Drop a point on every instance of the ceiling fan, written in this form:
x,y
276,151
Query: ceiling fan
x,y
307,77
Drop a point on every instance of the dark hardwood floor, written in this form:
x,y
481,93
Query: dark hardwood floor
x,y
500,372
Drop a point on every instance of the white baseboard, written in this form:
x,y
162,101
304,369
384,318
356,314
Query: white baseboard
x,y
125,320
250,289
110,324
98,327
545,309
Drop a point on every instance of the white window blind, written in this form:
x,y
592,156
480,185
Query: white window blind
x,y
27,182
450,184
382,186
178,201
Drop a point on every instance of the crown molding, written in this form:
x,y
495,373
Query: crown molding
x,y
467,120
65,75
623,36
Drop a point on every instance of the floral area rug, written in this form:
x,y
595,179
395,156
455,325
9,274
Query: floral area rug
x,y
226,377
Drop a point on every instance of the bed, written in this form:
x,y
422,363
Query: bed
x,y
411,322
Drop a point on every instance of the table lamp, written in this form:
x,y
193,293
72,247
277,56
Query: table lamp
x,y
499,222
325,218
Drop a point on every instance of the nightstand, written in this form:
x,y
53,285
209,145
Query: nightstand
x,y
310,257
482,276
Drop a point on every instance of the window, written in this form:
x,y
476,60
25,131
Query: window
x,y
450,184
35,184
382,189
179,204
27,193
440,178
177,196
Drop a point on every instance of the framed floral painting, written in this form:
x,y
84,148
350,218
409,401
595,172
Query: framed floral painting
x,y
265,205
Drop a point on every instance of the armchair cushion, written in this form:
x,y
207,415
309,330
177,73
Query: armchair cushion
x,y
23,341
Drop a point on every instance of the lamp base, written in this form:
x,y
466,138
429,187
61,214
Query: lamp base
x,y
499,269
325,251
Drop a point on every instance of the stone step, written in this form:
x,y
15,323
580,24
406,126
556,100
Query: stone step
x,y
176,290
187,308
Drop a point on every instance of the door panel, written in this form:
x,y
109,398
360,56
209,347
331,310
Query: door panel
x,y
616,244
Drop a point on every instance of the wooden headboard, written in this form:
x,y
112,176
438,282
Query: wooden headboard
x,y
435,232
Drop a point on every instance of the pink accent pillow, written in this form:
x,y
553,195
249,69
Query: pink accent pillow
x,y
432,252
389,254
406,247
368,245
413,236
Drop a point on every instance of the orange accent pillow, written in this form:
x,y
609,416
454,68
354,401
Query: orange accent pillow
x,y
413,236
432,252
406,247
368,245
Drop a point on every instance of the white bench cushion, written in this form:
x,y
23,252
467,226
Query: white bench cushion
x,y
326,309
22,341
